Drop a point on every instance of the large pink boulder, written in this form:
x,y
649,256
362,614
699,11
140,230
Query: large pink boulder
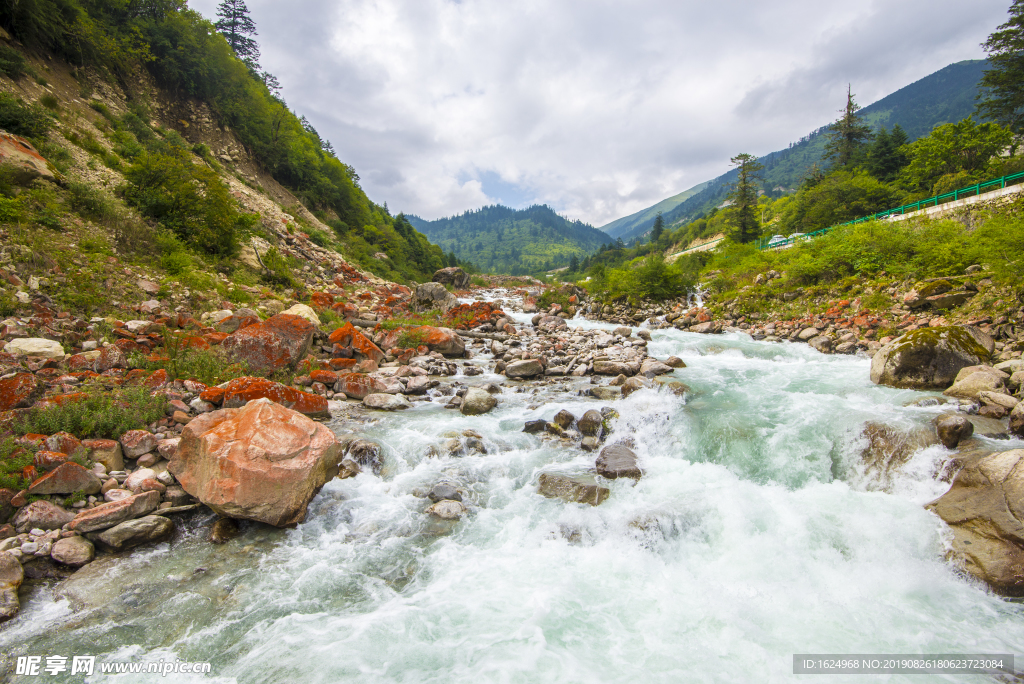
x,y
279,342
261,462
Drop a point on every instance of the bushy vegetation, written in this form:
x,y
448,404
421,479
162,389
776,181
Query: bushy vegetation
x,y
185,361
645,278
101,413
14,458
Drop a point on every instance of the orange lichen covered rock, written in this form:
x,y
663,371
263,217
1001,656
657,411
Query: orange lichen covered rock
x,y
279,342
262,462
19,391
241,391
443,340
362,347
321,300
358,386
214,395
343,364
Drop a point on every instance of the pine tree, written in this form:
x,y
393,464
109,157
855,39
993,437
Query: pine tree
x,y
659,227
886,155
744,196
574,263
846,137
237,26
1001,97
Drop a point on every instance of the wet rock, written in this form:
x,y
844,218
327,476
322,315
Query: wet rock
x,y
386,402
821,343
1017,420
136,532
66,478
526,368
633,384
984,507
606,393
534,427
675,362
366,453
571,490
224,530
477,401
11,577
929,358
442,491
591,423
617,461
564,419
74,551
113,513
889,447
589,444
277,343
447,510
970,386
42,515
262,462
614,368
952,429
623,331
654,367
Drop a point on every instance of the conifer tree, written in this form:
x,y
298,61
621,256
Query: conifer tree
x,y
744,196
237,27
659,227
1002,87
847,135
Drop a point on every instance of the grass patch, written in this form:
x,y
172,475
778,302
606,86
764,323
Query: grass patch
x,y
100,414
14,458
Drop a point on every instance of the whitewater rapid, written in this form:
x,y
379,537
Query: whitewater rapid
x,y
754,534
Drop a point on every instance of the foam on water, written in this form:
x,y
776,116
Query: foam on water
x,y
751,536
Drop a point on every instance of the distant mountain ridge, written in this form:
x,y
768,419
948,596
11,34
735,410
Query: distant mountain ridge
x,y
946,96
500,239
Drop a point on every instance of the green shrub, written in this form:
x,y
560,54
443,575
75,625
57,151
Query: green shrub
x,y
410,338
19,118
279,271
89,201
100,414
50,102
210,366
12,64
8,304
14,458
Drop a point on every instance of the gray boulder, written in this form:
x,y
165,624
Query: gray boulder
x,y
11,577
454,276
590,423
429,296
386,402
617,460
952,429
73,551
571,490
41,515
477,401
526,368
929,358
135,532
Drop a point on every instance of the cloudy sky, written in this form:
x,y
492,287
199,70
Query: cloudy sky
x,y
598,108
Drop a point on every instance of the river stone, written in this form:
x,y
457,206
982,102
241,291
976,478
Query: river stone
x,y
73,551
606,393
634,384
617,461
564,419
613,368
889,447
654,367
571,490
386,402
533,427
974,384
952,429
1017,420
821,343
527,368
11,577
261,462
224,530
35,346
477,401
675,362
135,532
447,509
929,358
442,491
42,515
590,423
985,508
67,478
807,334
116,512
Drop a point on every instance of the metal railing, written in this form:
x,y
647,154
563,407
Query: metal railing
x,y
969,191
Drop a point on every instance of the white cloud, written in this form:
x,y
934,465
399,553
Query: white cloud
x,y
596,107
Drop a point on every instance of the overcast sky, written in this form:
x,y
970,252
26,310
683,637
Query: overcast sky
x,y
598,108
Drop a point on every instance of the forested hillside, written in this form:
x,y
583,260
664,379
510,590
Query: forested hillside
x,y
946,96
498,239
131,46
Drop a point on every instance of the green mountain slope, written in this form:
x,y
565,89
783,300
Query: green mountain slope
x,y
627,224
503,240
942,97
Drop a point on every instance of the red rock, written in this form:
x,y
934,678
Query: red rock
x,y
326,377
158,378
24,160
241,391
48,460
180,417
21,391
135,443
358,386
110,357
279,342
443,340
79,362
41,514
64,399
66,478
321,300
343,364
64,442
214,339
214,395
151,485
32,439
261,462
194,386
348,336
116,512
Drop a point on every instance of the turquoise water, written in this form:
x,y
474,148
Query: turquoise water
x,y
754,534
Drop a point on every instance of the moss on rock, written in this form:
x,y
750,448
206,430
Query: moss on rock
x,y
928,358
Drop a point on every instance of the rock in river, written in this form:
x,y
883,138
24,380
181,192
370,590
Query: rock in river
x,y
617,460
571,489
929,358
11,577
477,401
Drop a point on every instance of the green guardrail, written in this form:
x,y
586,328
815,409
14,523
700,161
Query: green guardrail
x,y
969,191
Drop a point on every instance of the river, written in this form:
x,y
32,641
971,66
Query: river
x,y
755,533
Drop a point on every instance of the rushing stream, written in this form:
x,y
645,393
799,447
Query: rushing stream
x,y
754,534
